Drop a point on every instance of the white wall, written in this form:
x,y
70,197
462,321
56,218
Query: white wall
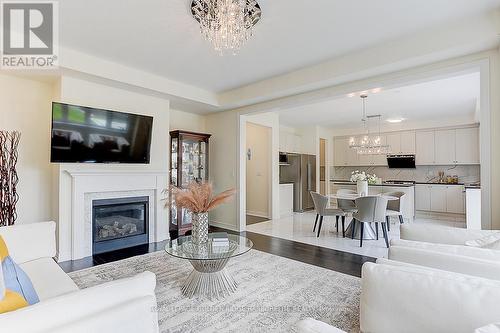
x,y
258,170
25,106
180,120
224,164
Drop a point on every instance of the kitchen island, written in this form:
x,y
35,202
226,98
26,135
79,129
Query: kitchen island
x,y
407,201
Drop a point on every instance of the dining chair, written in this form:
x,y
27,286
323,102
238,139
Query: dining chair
x,y
371,209
320,205
348,206
394,208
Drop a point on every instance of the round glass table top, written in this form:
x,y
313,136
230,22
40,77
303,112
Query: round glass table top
x,y
220,245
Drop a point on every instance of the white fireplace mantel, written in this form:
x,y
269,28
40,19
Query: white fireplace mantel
x,y
78,188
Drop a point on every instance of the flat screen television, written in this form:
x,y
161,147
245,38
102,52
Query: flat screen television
x,y
83,134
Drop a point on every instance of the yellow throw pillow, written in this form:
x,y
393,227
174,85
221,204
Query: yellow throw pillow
x,y
12,301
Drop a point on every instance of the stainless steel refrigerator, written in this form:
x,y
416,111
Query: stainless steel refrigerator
x,y
301,171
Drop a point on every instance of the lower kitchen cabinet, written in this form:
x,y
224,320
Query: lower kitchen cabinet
x,y
440,198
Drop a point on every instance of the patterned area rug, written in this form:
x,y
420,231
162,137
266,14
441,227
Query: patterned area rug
x,y
273,294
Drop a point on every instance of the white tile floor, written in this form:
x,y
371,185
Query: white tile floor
x,y
298,227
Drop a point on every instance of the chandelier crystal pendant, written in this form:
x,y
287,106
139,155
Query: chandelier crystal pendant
x,y
368,144
226,24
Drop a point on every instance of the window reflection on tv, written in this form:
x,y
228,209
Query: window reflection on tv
x,y
87,135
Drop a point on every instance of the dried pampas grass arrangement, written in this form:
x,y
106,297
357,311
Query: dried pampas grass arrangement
x,y
198,197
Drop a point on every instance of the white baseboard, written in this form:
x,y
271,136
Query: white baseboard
x,y
440,216
258,214
223,225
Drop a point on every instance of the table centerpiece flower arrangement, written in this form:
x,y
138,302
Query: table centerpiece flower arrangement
x,y
362,179
199,199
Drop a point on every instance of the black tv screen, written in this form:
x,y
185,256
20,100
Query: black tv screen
x,y
83,134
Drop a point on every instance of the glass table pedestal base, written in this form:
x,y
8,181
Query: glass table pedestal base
x,y
209,279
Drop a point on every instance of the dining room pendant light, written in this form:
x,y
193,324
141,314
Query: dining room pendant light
x,y
368,143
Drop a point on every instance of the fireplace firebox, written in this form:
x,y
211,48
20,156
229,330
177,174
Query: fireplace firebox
x,y
119,223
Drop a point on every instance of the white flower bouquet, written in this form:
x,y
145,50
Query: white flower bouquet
x,y
358,176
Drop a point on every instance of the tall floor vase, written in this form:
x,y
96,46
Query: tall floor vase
x,y
9,141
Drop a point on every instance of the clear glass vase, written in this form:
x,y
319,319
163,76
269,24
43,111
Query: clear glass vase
x,y
200,228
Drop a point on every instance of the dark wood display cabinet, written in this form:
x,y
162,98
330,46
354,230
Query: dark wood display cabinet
x,y
188,163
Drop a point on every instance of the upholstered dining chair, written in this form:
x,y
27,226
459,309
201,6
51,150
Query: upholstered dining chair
x,y
322,210
346,205
371,209
394,208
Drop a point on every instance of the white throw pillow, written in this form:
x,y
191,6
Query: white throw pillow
x,y
488,242
491,328
2,284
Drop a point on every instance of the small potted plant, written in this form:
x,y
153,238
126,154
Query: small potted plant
x,y
199,199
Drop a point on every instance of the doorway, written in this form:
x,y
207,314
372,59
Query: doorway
x,y
322,167
258,173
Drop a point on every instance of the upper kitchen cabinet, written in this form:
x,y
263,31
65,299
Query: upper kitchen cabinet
x,y
408,145
340,146
290,143
425,148
445,147
448,146
342,154
467,146
401,142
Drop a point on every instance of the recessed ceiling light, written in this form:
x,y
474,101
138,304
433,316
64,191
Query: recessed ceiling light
x,y
351,95
395,120
376,90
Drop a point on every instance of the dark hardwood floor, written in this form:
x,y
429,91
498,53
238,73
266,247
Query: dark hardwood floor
x,y
343,262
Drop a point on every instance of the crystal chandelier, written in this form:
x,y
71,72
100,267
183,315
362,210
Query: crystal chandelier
x,y
368,144
226,24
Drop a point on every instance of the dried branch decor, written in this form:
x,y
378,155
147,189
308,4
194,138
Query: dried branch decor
x,y
9,142
198,197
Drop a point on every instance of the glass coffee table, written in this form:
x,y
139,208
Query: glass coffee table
x,y
209,277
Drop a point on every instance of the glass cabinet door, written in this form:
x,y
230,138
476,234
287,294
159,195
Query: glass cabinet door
x,y
173,161
193,161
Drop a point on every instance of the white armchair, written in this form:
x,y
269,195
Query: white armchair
x,y
126,305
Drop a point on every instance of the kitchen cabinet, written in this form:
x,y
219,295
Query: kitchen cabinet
x,y
401,142
394,142
455,199
408,142
467,145
340,146
286,199
438,198
290,143
424,142
445,147
422,197
431,147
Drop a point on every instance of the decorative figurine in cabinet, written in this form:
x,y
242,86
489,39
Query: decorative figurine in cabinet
x,y
188,163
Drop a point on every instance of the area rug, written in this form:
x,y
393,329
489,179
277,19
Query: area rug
x,y
273,294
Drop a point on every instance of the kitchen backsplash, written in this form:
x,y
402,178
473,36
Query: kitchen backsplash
x,y
466,173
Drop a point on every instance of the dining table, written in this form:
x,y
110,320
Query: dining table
x,y
369,232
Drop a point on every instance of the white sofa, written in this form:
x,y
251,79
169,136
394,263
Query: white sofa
x,y
125,306
431,282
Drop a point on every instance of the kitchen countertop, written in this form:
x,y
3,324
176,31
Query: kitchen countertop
x,y
347,182
337,181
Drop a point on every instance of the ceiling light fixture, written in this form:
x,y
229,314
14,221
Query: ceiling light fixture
x,y
368,144
226,24
395,120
